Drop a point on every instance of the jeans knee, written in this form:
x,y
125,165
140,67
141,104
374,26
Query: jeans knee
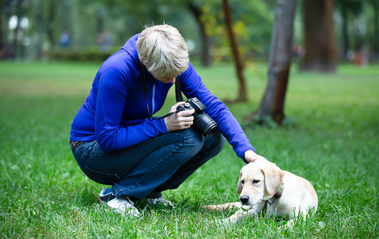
x,y
217,143
193,140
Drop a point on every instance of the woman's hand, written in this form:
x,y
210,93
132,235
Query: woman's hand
x,y
251,156
179,121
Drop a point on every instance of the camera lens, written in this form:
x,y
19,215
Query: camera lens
x,y
211,130
205,124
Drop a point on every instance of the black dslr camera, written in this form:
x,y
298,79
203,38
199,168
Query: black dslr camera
x,y
203,123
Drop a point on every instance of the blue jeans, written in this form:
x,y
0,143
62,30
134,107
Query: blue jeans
x,y
150,167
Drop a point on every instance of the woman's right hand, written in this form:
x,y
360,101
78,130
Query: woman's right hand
x,y
179,121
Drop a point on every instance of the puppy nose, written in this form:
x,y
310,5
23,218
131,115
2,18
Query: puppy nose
x,y
244,199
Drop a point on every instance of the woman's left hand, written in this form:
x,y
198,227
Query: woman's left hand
x,y
250,156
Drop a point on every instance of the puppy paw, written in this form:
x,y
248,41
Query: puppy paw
x,y
288,226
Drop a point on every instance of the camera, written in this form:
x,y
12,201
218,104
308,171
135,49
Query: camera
x,y
203,123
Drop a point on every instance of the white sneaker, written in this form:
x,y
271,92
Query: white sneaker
x,y
124,206
162,200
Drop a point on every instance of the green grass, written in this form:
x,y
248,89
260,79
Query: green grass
x,y
333,141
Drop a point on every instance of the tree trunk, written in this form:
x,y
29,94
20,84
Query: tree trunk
x,y
50,24
345,34
5,46
376,29
20,15
67,20
2,32
40,22
320,46
206,39
242,93
272,104
100,26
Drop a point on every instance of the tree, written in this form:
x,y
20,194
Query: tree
x,y
206,39
242,94
40,20
20,14
45,23
319,37
238,34
345,34
2,32
272,104
347,7
50,23
6,50
375,5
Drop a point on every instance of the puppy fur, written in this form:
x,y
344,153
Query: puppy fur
x,y
258,182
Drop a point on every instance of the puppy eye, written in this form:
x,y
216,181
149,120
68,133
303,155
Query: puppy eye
x,y
242,181
255,181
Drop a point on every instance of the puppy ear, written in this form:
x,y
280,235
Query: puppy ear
x,y
273,178
239,187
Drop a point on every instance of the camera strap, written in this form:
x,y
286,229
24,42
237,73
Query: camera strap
x,y
178,91
142,71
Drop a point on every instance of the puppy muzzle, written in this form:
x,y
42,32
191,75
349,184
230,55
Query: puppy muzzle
x,y
245,200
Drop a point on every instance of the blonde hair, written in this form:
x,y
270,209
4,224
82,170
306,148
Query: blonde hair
x,y
163,51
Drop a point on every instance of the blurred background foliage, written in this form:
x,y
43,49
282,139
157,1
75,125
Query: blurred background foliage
x,y
93,29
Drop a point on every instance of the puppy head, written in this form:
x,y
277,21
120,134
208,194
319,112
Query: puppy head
x,y
258,181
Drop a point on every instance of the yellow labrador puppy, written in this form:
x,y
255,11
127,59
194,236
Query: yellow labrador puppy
x,y
263,185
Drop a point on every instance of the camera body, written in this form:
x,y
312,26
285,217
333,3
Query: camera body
x,y
203,123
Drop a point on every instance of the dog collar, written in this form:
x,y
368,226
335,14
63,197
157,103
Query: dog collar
x,y
277,194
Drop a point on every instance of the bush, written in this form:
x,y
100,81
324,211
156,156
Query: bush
x,y
91,54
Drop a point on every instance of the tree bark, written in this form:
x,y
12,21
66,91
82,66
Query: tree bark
x,y
272,104
20,15
376,29
242,93
2,32
320,47
206,39
345,34
67,20
5,46
50,24
40,21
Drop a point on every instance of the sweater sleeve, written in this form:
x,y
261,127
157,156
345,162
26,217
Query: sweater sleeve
x,y
193,86
112,91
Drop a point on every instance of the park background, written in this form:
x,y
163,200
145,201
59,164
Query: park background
x,y
302,78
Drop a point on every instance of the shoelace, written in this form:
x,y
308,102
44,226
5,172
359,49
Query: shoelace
x,y
129,200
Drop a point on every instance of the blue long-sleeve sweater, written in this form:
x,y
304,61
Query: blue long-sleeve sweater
x,y
115,112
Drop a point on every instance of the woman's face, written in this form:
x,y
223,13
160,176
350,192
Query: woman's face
x,y
164,80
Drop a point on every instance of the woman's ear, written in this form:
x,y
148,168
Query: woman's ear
x,y
273,178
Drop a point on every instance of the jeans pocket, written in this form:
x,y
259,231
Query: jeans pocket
x,y
87,147
100,177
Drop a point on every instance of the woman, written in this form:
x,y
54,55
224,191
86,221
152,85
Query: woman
x,y
115,139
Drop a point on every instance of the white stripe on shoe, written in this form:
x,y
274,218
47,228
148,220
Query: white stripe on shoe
x,y
124,206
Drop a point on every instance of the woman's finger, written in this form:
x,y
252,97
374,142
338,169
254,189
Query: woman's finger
x,y
186,113
173,108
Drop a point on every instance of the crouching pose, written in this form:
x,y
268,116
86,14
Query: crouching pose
x,y
115,139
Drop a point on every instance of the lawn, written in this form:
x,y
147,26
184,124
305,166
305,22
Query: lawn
x,y
331,137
